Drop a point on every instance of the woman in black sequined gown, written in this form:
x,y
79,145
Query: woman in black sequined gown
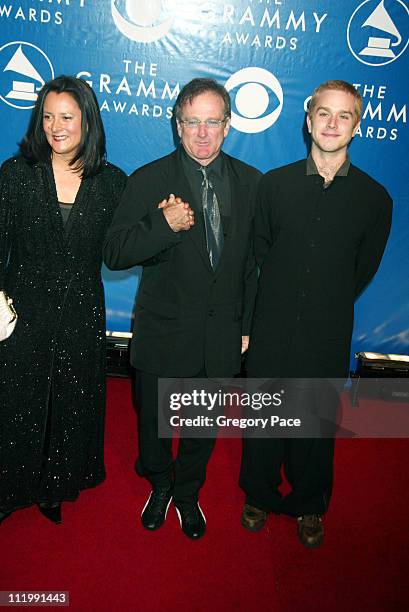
x,y
56,201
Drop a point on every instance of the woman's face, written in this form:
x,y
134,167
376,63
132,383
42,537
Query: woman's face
x,y
62,125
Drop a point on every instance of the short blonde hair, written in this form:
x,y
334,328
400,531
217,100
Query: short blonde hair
x,y
337,86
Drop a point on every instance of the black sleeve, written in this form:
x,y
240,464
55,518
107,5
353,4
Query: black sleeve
x,y
250,273
373,243
263,223
250,289
6,218
139,230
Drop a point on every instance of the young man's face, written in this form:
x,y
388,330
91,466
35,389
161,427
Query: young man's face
x,y
203,143
332,123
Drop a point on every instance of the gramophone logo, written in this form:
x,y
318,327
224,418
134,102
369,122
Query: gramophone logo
x,y
145,20
24,68
378,32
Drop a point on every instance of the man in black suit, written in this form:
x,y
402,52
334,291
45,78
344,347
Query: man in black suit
x,y
187,219
321,227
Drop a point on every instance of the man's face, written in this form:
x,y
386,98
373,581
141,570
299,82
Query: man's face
x,y
332,123
203,143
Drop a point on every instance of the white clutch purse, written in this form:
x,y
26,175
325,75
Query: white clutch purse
x,y
8,316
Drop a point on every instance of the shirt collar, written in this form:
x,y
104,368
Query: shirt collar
x,y
312,167
216,167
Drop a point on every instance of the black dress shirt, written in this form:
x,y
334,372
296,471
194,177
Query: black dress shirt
x,y
317,249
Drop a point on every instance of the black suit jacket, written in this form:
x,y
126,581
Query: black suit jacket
x,y
187,316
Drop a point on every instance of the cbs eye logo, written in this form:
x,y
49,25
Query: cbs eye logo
x,y
141,20
257,99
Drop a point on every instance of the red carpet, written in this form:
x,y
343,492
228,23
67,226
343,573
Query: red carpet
x,y
107,561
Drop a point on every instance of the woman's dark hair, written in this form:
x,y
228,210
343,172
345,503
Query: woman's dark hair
x,y
91,150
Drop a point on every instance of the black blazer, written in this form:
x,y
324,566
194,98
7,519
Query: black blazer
x,y
187,316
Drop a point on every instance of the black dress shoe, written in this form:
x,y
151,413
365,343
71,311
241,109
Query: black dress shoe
x,y
192,520
4,515
52,512
156,508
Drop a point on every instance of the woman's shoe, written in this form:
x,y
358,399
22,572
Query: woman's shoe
x,y
52,512
4,515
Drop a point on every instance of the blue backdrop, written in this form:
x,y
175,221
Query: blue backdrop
x,y
270,54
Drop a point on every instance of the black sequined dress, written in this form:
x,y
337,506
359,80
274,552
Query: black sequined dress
x,y
52,368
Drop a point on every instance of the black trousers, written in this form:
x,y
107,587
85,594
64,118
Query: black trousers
x,y
307,462
155,461
308,468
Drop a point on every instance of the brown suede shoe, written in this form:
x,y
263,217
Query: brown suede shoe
x,y
310,530
253,518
